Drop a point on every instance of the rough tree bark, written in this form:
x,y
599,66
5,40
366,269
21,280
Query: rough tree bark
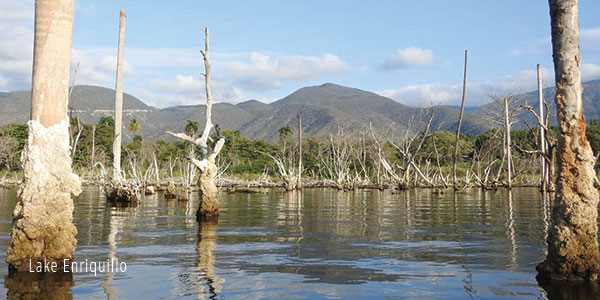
x,y
209,205
460,119
572,240
119,102
43,218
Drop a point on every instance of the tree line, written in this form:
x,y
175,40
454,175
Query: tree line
x,y
343,159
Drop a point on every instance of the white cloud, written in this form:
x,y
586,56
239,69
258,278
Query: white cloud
x,y
3,82
590,71
265,72
477,90
188,90
424,94
589,39
16,44
409,57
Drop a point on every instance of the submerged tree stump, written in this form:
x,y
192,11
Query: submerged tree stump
x,y
122,194
171,191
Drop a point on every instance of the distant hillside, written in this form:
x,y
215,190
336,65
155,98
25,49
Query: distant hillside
x,y
591,103
324,109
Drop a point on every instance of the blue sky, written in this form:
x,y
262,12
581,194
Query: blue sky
x,y
411,51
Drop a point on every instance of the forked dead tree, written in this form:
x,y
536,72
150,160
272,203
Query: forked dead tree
x,y
209,205
573,236
545,148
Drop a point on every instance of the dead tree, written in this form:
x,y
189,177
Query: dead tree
x,y
43,229
460,119
409,147
507,145
209,205
299,185
286,164
542,143
573,237
119,102
546,149
409,153
504,113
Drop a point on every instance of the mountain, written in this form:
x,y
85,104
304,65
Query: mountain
x,y
591,104
324,109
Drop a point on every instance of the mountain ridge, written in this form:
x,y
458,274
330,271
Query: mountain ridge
x,y
325,109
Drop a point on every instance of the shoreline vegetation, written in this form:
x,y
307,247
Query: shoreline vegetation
x,y
419,158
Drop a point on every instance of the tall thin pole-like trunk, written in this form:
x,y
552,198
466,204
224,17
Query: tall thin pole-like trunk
x,y
573,236
119,102
507,145
543,170
299,186
460,119
43,218
93,145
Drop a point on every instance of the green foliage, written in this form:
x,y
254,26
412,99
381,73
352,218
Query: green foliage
x,y
244,155
593,135
191,127
107,121
285,132
443,142
133,126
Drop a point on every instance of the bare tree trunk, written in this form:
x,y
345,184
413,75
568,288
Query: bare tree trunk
x,y
43,218
119,102
299,186
543,171
507,145
93,145
460,119
573,237
209,205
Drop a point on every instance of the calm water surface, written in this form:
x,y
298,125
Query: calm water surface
x,y
316,244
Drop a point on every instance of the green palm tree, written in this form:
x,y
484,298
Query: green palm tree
x,y
191,127
285,132
133,126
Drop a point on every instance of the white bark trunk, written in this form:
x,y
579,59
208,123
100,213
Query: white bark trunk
x,y
507,144
543,171
460,119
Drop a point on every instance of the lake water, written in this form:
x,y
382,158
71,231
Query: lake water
x,y
317,244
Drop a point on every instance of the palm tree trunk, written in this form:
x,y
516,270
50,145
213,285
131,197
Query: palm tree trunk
x,y
43,218
460,119
119,102
573,237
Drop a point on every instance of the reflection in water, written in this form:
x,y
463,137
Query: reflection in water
x,y
316,244
468,280
25,285
566,291
546,207
510,232
207,241
116,222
